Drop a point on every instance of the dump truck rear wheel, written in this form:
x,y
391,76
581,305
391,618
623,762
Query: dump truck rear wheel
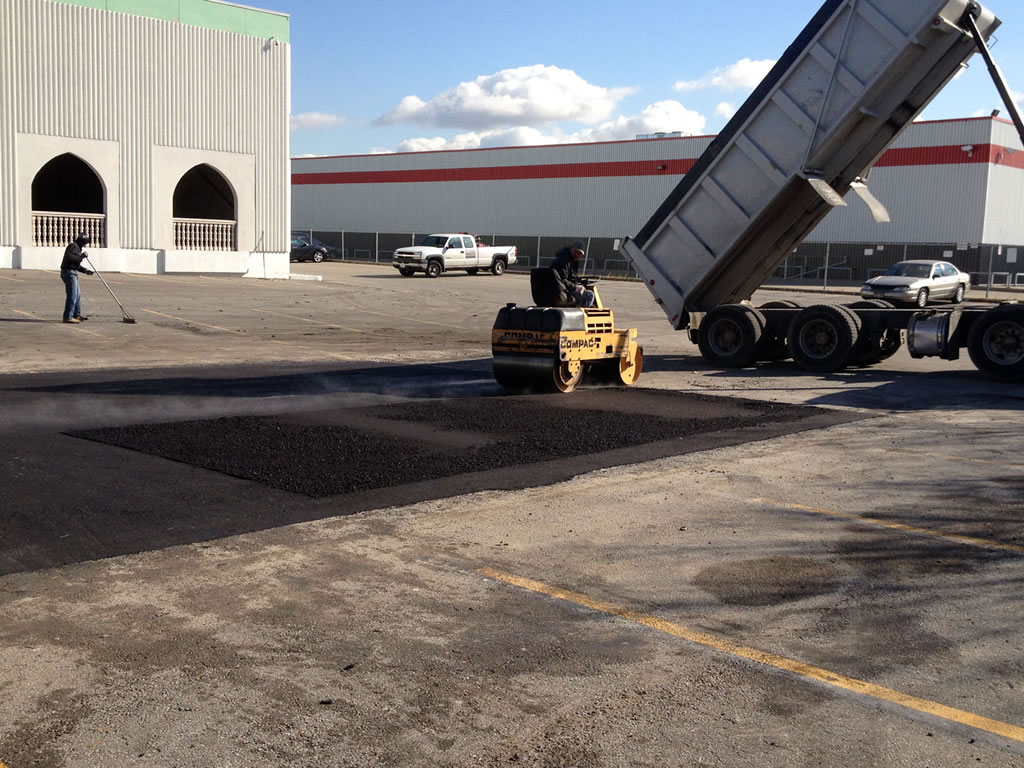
x,y
729,334
996,343
821,338
772,347
872,349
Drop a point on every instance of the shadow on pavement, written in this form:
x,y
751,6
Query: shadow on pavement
x,y
868,388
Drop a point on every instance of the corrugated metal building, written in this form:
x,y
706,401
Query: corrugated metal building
x,y
160,127
954,189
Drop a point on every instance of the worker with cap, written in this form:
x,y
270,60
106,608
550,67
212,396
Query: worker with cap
x,y
69,269
566,266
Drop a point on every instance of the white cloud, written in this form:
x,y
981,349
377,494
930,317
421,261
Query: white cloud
x,y
726,110
745,74
661,116
312,121
531,95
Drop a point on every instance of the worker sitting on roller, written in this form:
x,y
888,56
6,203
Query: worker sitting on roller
x,y
566,266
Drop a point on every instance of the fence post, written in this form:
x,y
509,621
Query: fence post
x,y
827,247
538,250
988,282
376,247
343,258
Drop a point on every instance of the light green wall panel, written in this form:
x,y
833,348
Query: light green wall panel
x,y
200,13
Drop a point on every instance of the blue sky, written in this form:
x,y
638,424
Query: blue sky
x,y
402,76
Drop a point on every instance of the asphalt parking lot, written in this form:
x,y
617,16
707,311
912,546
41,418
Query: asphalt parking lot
x,y
296,521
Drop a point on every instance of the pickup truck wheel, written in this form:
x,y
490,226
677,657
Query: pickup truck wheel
x,y
434,268
405,272
996,343
821,338
472,271
498,267
958,297
729,334
922,298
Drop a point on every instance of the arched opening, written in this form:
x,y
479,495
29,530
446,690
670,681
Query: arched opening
x,y
204,211
67,198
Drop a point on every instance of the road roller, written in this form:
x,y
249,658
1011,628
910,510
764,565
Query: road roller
x,y
543,348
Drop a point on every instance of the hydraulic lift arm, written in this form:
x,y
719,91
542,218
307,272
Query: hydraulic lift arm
x,y
997,75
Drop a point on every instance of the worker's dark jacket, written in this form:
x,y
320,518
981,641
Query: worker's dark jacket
x,y
566,266
73,256
554,286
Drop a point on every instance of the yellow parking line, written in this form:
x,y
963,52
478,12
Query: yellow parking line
x,y
161,278
410,319
969,540
45,320
192,322
314,349
799,668
307,320
16,280
361,286
975,461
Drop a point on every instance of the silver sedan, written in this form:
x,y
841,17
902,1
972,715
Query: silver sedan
x,y
918,282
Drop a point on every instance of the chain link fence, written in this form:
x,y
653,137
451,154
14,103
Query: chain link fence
x,y
811,264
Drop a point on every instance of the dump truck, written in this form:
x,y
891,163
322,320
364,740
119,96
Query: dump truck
x,y
854,78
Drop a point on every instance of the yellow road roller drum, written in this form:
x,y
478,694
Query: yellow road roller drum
x,y
555,348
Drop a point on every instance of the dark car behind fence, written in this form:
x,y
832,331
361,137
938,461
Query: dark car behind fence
x,y
812,264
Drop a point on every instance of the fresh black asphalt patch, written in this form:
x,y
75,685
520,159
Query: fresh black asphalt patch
x,y
348,451
115,482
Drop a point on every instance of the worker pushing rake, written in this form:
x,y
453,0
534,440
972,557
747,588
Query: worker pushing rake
x,y
74,255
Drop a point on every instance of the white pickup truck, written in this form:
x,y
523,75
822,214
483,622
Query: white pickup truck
x,y
441,253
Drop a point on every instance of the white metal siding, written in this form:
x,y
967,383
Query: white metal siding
x,y
601,206
78,72
931,202
1004,214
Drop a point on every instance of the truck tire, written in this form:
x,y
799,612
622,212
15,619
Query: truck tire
x,y
870,304
498,267
996,343
472,270
729,334
772,346
821,338
871,349
434,268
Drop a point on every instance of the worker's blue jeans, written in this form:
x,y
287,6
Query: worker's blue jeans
x,y
73,300
584,297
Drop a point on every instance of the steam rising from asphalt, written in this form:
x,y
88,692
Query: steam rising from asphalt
x,y
92,405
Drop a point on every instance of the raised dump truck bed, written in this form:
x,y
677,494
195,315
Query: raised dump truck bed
x,y
854,78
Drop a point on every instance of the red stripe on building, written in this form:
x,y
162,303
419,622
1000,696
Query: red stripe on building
x,y
501,172
893,158
952,155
